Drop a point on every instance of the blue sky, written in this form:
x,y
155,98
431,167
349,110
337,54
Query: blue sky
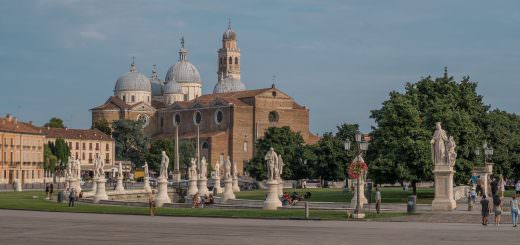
x,y
339,58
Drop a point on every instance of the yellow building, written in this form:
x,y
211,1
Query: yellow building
x,y
21,148
85,145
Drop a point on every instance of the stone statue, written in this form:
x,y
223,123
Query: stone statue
x,y
192,171
165,161
227,168
271,159
203,168
280,166
78,169
234,170
99,165
120,169
439,153
452,153
217,169
146,172
68,172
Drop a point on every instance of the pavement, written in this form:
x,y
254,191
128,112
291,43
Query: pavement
x,y
31,227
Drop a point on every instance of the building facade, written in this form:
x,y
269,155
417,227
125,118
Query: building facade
x,y
21,148
228,121
85,145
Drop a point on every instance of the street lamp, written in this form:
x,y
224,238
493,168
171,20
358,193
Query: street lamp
x,y
488,152
362,146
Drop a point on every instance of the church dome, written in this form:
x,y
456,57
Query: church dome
x,y
229,84
172,87
183,72
156,83
229,34
133,81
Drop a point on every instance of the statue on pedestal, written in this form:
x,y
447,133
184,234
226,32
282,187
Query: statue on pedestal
x,y
444,156
274,164
192,170
203,168
439,141
217,169
146,172
165,161
99,165
227,168
271,159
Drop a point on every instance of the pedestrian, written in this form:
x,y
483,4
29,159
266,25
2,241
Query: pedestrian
x,y
47,190
480,183
517,187
72,197
485,209
151,203
497,209
51,190
378,200
494,187
514,209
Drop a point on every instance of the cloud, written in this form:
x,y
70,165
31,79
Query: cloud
x,y
93,35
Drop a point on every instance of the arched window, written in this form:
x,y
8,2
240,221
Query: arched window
x,y
273,117
133,98
230,60
124,98
236,60
205,145
219,116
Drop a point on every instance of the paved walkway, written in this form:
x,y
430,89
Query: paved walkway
x,y
28,227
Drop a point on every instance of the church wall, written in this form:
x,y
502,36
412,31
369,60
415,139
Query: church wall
x,y
242,131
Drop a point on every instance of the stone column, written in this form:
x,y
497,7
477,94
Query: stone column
x,y
176,172
94,185
74,183
101,193
162,194
444,200
272,202
147,187
364,200
203,186
228,190
119,186
216,185
236,187
192,187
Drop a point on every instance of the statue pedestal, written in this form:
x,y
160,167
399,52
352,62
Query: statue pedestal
x,y
119,187
203,186
94,185
74,183
364,200
280,187
484,173
272,202
176,176
18,185
228,190
444,200
146,186
236,187
192,188
101,194
162,194
216,186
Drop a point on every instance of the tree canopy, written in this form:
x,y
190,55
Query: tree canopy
x,y
131,144
103,126
55,122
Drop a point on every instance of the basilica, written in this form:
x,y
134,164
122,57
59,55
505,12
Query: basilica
x,y
228,121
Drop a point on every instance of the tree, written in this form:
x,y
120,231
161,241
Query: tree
x,y
154,154
186,153
285,142
49,159
55,122
103,126
130,141
401,151
330,158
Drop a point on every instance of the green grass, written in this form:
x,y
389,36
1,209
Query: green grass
x,y
388,195
25,201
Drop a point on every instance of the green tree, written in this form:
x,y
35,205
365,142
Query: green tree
x,y
285,142
55,122
401,151
153,156
331,158
186,152
49,159
103,126
131,144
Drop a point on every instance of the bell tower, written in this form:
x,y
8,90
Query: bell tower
x,y
229,56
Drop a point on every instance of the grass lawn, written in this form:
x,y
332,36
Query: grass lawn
x,y
25,201
388,195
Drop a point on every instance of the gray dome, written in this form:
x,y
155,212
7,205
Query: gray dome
x,y
172,87
229,84
183,72
156,83
133,81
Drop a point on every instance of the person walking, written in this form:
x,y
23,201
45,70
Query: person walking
x,y
151,203
485,209
514,209
497,209
378,200
51,190
517,187
47,190
72,197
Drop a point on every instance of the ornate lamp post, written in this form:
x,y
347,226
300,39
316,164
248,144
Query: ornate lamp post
x,y
357,169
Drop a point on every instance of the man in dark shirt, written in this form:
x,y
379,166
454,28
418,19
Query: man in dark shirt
x,y
485,209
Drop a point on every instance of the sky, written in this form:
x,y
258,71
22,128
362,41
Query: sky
x,y
339,58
